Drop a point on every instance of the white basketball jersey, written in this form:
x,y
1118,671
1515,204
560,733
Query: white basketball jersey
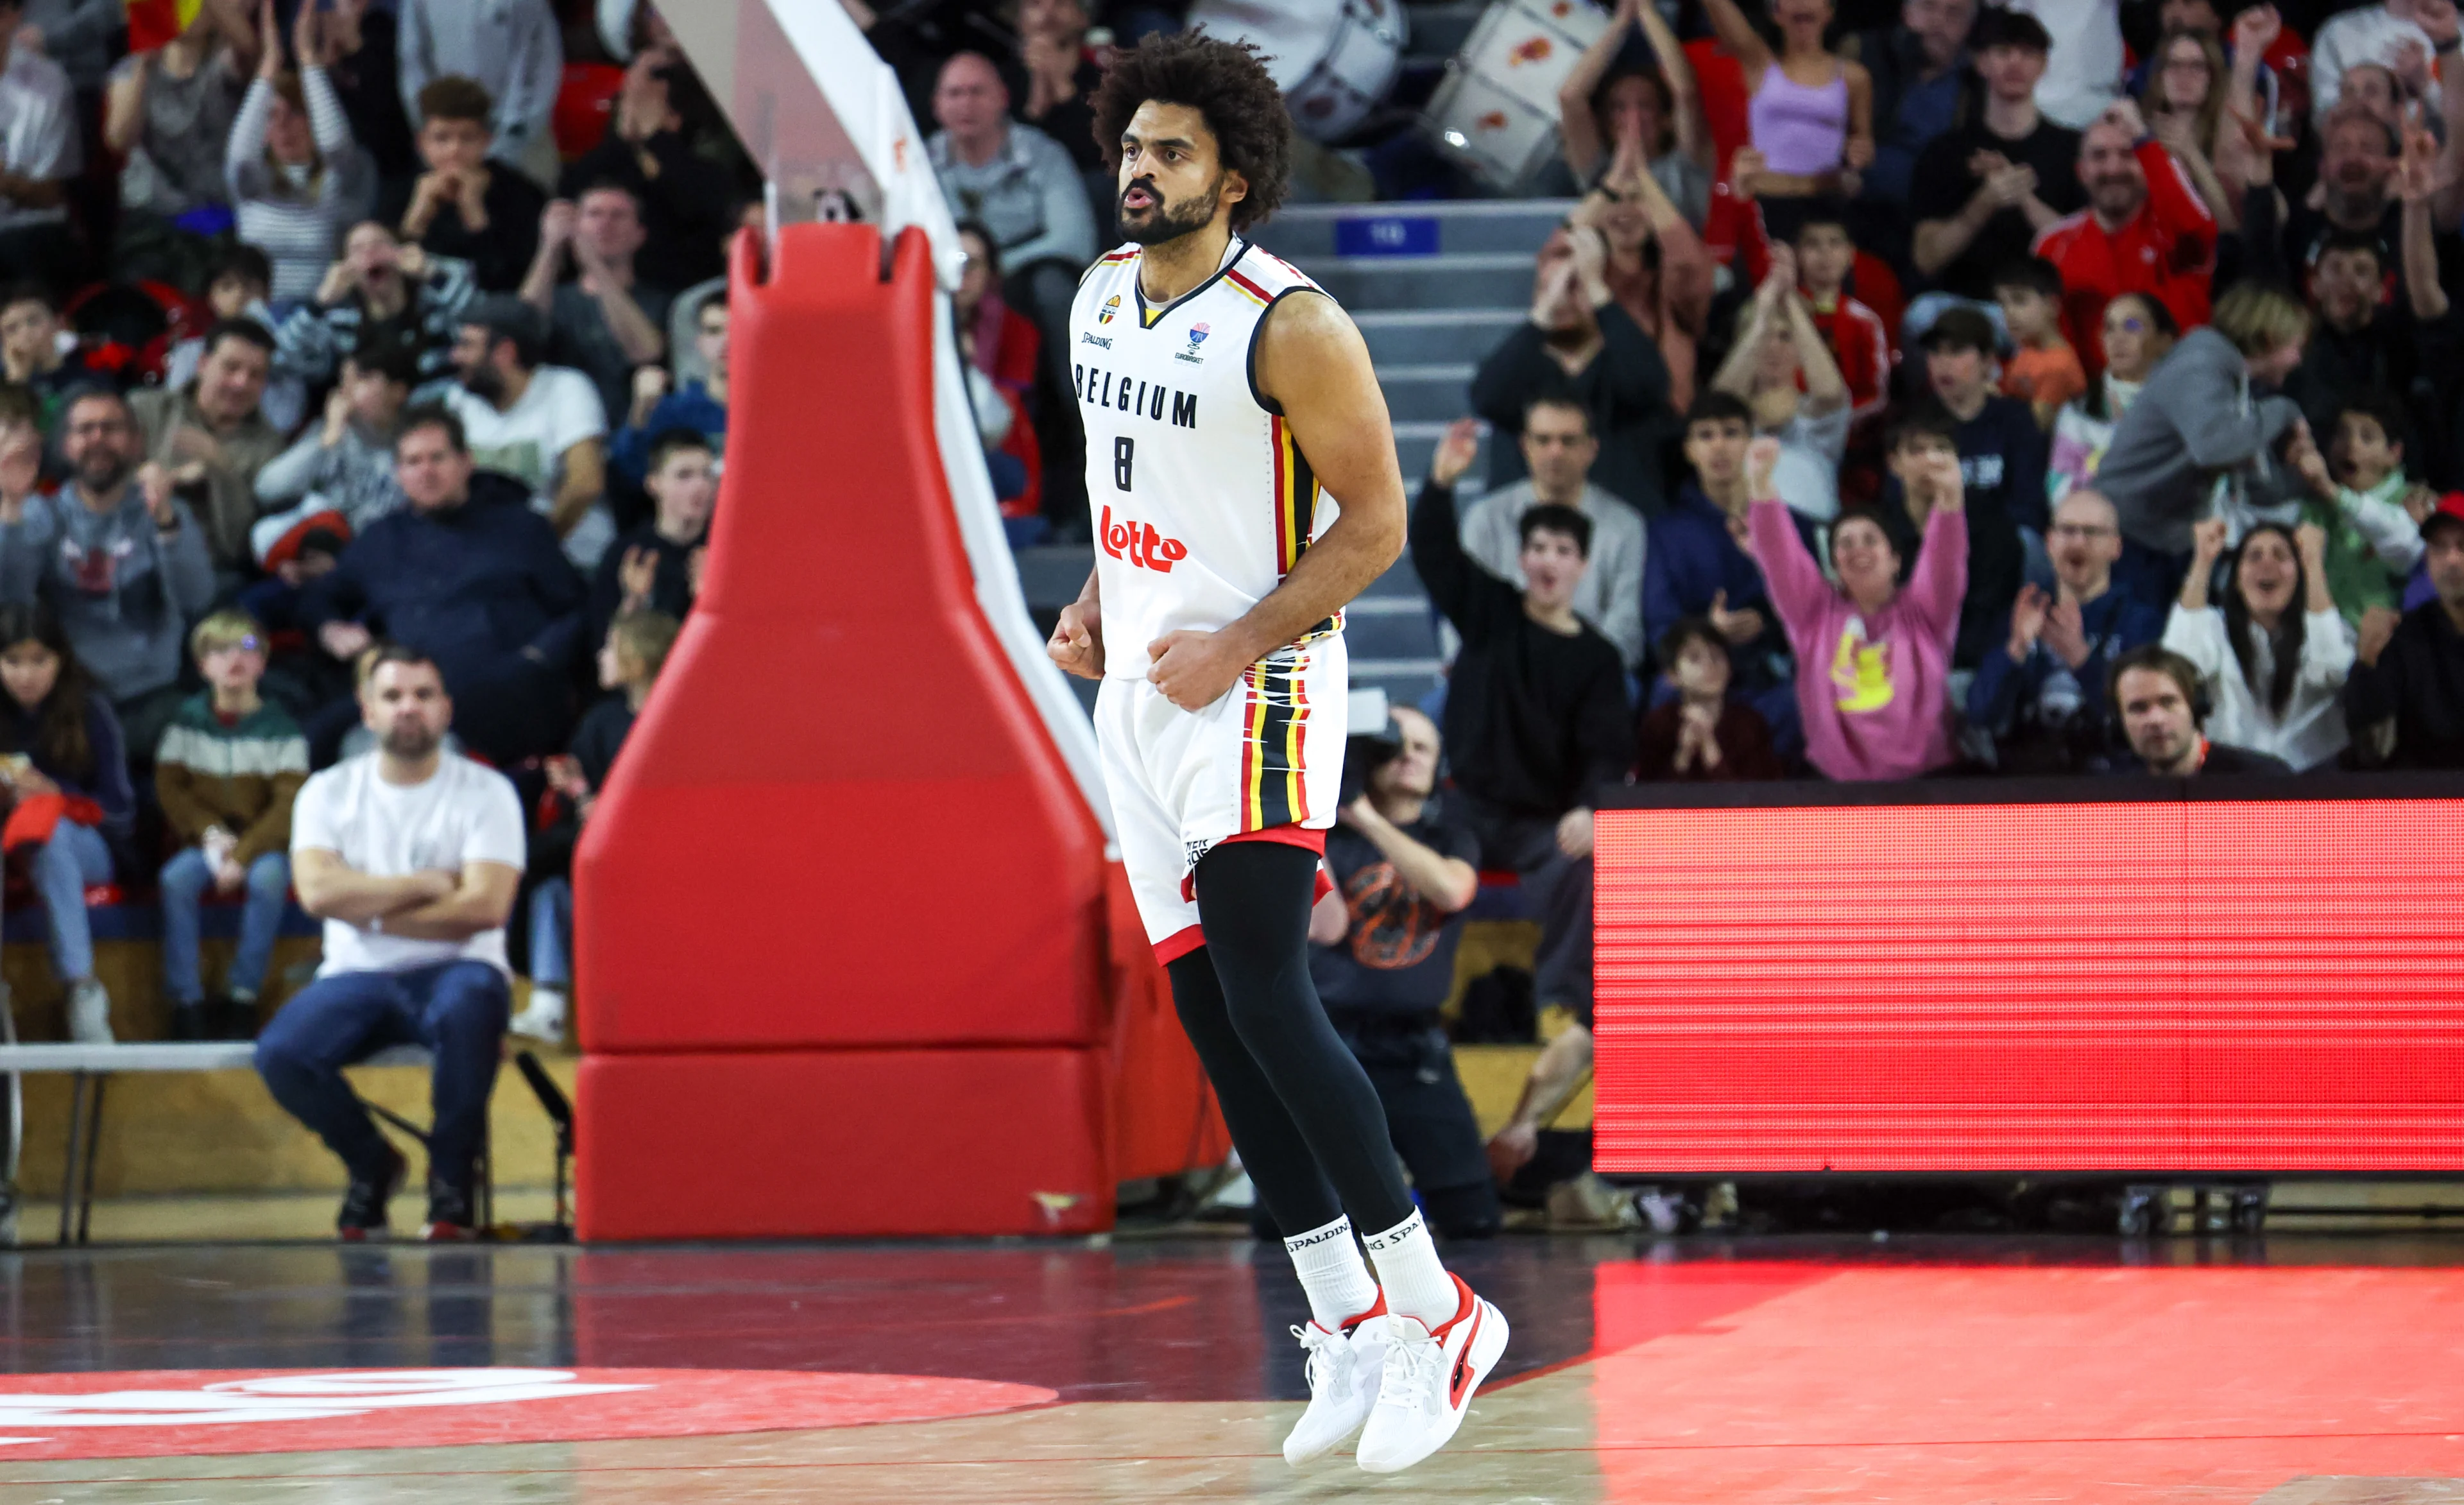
x,y
1200,500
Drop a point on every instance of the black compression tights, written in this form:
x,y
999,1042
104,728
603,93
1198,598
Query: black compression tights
x,y
1303,1113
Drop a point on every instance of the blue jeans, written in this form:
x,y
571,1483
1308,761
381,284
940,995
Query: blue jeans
x,y
457,1010
552,933
74,857
186,878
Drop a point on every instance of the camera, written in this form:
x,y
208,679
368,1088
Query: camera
x,y
1364,753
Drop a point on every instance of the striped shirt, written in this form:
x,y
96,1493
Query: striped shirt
x,y
297,224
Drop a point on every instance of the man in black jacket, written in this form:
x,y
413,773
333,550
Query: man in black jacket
x,y
2410,670
1536,718
2154,690
1579,345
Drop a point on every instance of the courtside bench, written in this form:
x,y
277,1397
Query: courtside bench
x,y
91,1068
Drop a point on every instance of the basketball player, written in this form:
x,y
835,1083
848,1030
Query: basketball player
x,y
1228,403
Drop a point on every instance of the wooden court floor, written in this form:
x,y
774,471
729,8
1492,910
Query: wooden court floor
x,y
2294,1371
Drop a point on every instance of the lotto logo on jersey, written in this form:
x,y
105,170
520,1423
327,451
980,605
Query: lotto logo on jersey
x,y
1112,307
1140,545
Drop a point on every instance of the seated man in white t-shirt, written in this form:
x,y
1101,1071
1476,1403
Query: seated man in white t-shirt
x,y
542,424
412,856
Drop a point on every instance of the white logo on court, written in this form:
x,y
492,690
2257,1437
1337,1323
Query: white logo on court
x,y
293,1398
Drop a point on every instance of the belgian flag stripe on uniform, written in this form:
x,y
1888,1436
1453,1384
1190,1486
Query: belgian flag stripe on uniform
x,y
1270,744
1295,499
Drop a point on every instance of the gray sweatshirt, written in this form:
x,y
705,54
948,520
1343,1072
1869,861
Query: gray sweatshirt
x,y
2194,421
124,594
355,477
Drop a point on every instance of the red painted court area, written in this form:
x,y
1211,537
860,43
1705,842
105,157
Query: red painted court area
x,y
1932,1386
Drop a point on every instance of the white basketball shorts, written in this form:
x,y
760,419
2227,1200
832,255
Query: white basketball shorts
x,y
1265,763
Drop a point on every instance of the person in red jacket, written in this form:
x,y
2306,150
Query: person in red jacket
x,y
2145,231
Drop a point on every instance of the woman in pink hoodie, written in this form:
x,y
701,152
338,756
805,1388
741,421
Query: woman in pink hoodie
x,y
1873,661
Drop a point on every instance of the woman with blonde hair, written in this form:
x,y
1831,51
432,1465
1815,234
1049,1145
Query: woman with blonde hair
x,y
2210,413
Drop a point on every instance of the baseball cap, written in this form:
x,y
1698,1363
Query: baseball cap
x,y
2449,511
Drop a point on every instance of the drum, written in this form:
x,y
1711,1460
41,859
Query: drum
x,y
1497,110
1334,62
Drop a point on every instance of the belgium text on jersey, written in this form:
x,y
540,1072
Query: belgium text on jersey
x,y
1101,389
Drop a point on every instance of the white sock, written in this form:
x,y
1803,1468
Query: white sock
x,y
1416,1285
1339,1283
547,1002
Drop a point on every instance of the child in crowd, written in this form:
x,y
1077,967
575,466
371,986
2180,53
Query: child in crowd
x,y
657,566
1701,736
700,403
2043,370
2357,499
225,772
2137,331
1695,564
1855,334
64,775
2002,468
1786,375
1811,111
1873,681
629,660
39,352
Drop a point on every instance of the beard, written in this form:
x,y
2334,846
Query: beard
x,y
103,470
411,741
485,383
1163,221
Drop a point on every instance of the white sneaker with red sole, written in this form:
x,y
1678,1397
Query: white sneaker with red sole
x,y
1429,1380
1344,1367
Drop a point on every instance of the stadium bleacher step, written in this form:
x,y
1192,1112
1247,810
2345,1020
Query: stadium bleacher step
x,y
1301,233
1421,391
1454,279
1427,336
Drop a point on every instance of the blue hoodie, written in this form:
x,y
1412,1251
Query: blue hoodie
x,y
471,587
1689,557
2042,713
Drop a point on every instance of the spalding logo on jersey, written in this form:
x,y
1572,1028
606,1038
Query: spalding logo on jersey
x,y
1139,543
1112,307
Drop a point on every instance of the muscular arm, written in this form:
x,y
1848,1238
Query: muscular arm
x,y
1312,364
332,889
482,899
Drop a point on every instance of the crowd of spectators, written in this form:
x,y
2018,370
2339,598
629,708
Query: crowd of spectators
x,y
363,400
2033,335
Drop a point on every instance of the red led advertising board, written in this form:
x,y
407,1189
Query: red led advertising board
x,y
2126,976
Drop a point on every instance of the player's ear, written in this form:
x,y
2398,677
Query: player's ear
x,y
1236,187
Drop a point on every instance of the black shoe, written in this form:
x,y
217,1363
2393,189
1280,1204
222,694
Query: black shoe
x,y
363,1202
449,1219
188,1022
234,1018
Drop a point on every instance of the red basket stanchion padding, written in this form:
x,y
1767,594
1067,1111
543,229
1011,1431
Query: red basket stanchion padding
x,y
841,838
